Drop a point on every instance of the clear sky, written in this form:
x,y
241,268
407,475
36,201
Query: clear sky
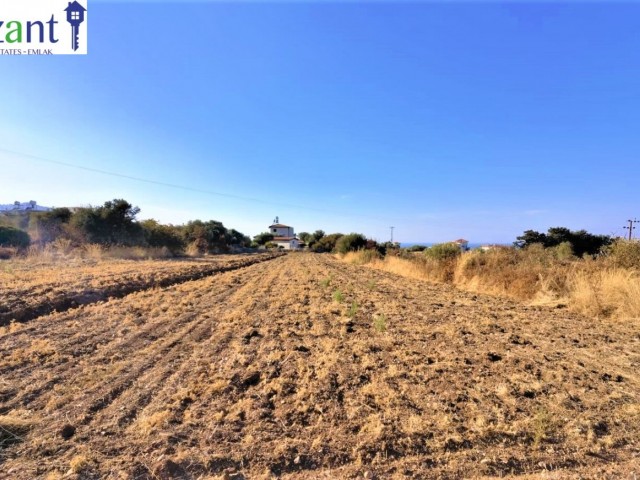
x,y
443,119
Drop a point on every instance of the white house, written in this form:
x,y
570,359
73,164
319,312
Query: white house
x,y
284,236
18,207
462,243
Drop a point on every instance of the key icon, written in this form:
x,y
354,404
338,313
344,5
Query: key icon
x,y
75,16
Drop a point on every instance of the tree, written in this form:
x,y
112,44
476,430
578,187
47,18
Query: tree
x,y
263,238
529,237
210,236
47,226
111,224
305,236
351,243
326,243
159,235
581,241
239,239
13,237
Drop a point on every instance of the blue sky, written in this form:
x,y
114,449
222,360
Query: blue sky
x,y
443,119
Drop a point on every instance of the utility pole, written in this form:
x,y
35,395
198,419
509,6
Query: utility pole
x,y
392,233
631,228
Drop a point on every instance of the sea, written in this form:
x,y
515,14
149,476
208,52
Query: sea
x,y
472,245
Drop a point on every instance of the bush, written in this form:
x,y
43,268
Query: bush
x,y
12,237
49,226
350,243
111,224
163,236
443,251
327,243
624,253
581,241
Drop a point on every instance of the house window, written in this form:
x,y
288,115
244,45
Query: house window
x,y
75,15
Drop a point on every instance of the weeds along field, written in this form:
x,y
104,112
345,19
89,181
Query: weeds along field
x,y
30,288
307,367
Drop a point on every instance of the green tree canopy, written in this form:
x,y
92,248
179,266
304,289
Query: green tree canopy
x,y
110,224
581,241
13,237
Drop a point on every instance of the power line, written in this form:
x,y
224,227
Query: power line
x,y
184,187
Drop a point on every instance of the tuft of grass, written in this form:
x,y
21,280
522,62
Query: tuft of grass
x,y
13,429
338,296
543,427
80,463
371,284
380,323
353,309
326,281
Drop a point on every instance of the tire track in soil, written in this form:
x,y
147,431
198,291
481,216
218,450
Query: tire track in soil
x,y
101,337
119,290
275,379
169,350
178,369
57,372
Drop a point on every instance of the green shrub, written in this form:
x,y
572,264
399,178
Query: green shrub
x,y
350,243
12,237
353,309
380,323
163,236
327,243
338,296
443,251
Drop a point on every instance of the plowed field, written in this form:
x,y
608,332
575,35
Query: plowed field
x,y
305,367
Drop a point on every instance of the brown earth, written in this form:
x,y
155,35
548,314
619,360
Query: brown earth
x,y
28,291
305,367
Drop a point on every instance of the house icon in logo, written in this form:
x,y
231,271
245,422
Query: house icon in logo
x,y
75,16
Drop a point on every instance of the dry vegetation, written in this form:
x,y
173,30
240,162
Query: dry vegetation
x,y
37,284
307,367
607,287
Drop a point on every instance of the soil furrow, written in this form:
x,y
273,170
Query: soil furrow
x,y
305,367
66,302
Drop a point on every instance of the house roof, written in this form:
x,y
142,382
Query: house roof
x,y
75,7
279,225
461,240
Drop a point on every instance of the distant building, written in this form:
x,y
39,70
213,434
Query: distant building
x,y
284,236
493,246
462,243
23,207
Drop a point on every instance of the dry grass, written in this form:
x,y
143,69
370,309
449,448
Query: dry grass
x,y
597,288
259,372
38,284
13,429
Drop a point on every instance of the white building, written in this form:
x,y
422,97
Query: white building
x,y
462,243
284,236
23,207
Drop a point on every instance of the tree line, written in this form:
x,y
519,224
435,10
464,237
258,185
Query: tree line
x,y
115,224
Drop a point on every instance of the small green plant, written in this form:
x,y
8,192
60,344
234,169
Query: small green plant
x,y
542,427
371,284
353,310
380,323
326,281
338,296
